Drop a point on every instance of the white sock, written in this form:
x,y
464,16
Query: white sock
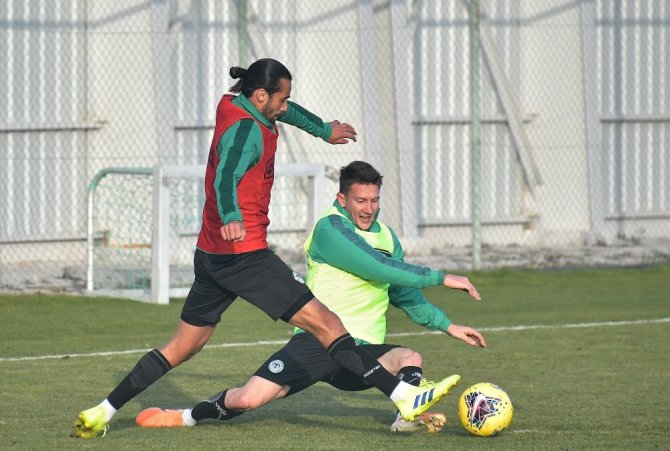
x,y
109,410
187,418
400,391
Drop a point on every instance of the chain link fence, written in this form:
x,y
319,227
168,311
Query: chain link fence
x,y
574,114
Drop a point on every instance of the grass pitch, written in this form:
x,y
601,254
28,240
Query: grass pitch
x,y
583,355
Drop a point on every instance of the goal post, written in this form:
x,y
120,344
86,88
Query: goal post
x,y
157,242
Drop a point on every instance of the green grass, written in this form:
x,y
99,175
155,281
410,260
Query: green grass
x,y
592,387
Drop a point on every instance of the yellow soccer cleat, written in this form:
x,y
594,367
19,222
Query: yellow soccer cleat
x,y
91,423
426,422
155,417
420,399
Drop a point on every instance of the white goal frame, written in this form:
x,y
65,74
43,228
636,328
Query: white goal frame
x,y
160,233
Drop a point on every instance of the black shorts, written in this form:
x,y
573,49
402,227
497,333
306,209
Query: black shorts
x,y
260,277
302,362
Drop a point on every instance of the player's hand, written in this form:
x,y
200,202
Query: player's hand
x,y
467,334
233,231
461,283
342,133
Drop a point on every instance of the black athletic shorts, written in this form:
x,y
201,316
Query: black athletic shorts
x,y
260,277
302,362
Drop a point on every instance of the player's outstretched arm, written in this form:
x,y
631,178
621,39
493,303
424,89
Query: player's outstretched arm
x,y
333,132
342,133
467,334
461,283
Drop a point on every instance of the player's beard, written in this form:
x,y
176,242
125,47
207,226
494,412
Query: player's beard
x,y
268,113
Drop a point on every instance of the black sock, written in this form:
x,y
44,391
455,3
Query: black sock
x,y
148,370
411,374
214,408
358,360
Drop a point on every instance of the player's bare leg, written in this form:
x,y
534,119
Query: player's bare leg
x,y
318,320
255,393
187,341
401,357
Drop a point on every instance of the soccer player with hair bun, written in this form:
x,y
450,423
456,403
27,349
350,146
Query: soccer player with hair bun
x,y
232,258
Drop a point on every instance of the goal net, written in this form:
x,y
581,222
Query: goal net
x,y
143,225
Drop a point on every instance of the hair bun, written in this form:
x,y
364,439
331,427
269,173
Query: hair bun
x,y
237,72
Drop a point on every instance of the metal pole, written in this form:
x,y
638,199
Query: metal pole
x,y
475,135
242,35
160,240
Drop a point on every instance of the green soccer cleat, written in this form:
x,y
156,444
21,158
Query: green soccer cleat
x,y
91,423
421,398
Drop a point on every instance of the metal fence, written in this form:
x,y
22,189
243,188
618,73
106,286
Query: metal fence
x,y
574,114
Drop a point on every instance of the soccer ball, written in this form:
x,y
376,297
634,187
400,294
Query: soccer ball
x,y
485,409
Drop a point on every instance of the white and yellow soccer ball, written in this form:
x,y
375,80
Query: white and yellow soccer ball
x,y
485,409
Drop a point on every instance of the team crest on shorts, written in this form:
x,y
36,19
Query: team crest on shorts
x,y
298,277
276,366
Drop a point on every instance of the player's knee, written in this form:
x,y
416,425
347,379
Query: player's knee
x,y
332,322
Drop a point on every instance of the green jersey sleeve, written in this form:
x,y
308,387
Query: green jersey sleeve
x,y
412,301
336,243
418,308
306,120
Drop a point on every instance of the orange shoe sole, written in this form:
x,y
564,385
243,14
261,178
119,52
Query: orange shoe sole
x,y
155,417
